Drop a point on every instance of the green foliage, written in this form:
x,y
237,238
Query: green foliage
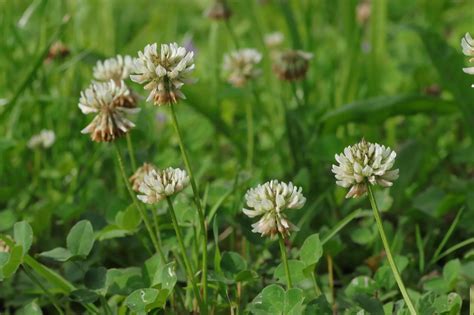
x,y
79,241
275,300
74,241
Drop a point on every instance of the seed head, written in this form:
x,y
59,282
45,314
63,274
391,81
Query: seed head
x,y
219,10
241,67
58,50
44,139
159,184
292,65
111,102
364,163
137,178
270,200
117,69
164,73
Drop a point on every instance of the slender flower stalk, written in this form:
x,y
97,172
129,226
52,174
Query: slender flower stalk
x,y
185,258
391,261
131,151
137,205
284,258
362,166
250,135
197,201
241,69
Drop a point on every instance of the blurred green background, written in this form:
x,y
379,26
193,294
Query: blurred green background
x,y
394,78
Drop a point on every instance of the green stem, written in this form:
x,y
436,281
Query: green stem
x,y
285,261
157,227
232,34
317,290
137,205
185,258
250,135
131,152
197,201
391,261
46,291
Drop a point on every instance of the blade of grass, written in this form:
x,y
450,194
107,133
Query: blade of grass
x,y
421,252
359,213
454,248
446,236
34,69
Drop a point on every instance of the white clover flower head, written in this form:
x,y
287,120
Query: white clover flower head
x,y
44,139
4,248
240,66
270,200
274,40
159,184
164,73
467,44
117,68
365,163
110,102
137,178
292,65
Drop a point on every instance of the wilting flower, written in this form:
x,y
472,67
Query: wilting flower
x,y
270,200
365,163
292,65
44,139
219,10
467,44
363,12
241,67
164,72
137,178
111,102
274,40
4,248
57,51
159,184
117,69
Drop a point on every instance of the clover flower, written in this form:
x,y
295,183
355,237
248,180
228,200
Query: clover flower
x,y
219,10
111,102
117,69
270,200
164,73
137,178
159,184
364,163
240,66
467,44
4,248
44,139
274,40
292,65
